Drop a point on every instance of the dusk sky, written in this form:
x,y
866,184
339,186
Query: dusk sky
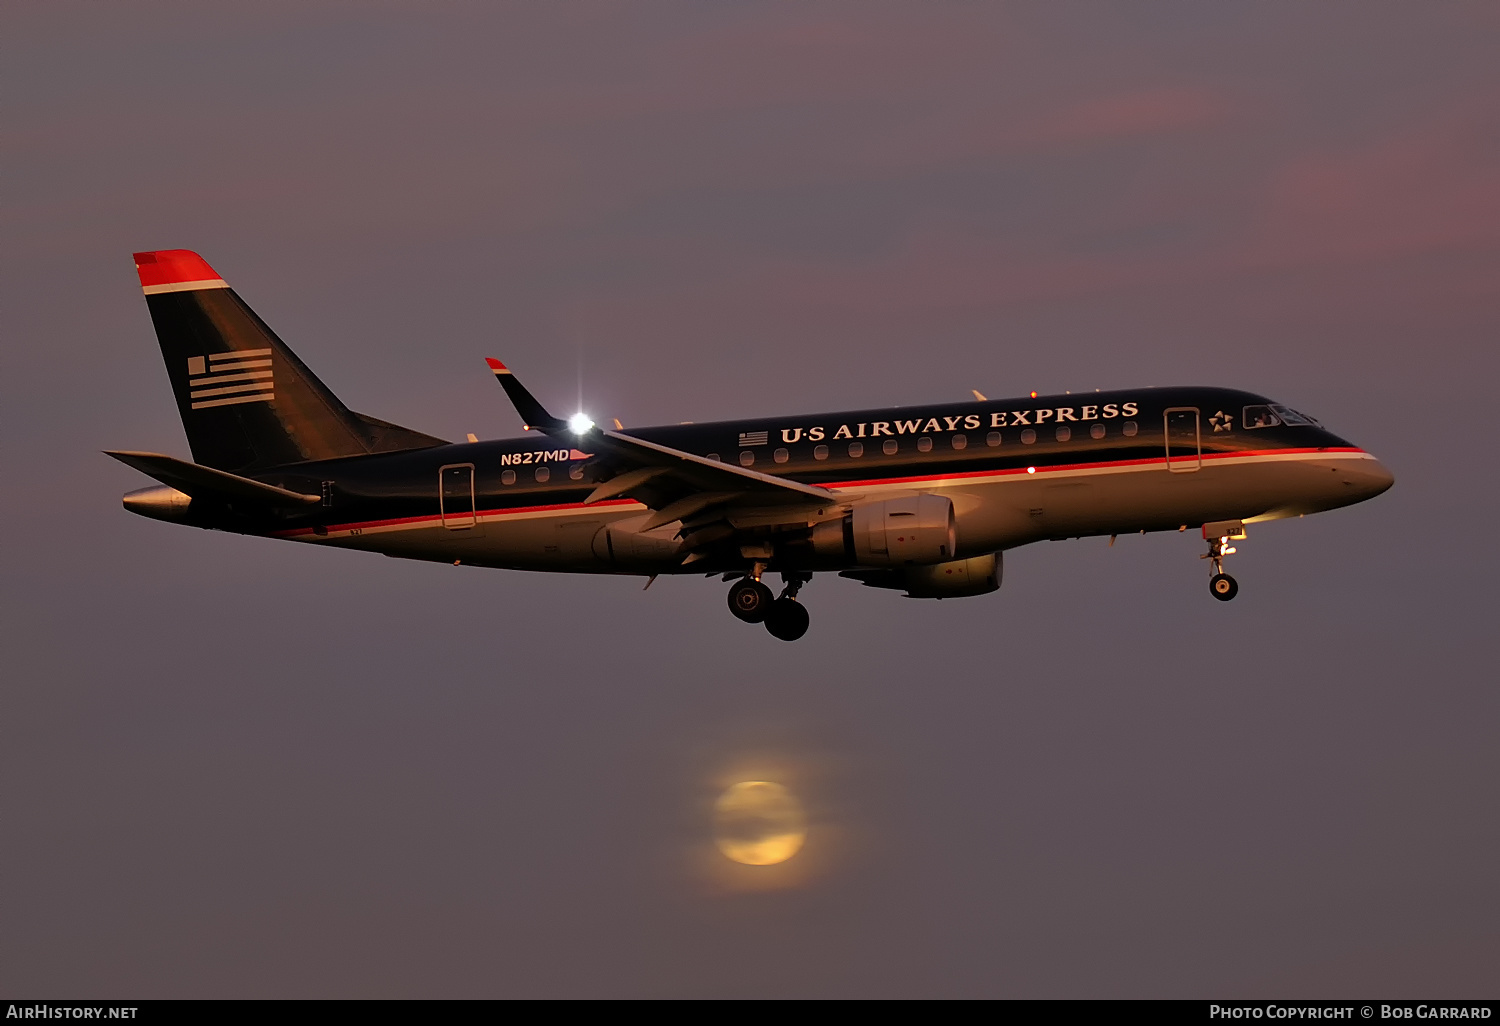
x,y
236,767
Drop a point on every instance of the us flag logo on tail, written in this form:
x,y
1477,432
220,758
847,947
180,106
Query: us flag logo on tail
x,y
225,379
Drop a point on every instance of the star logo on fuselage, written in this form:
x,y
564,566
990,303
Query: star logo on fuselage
x,y
1221,421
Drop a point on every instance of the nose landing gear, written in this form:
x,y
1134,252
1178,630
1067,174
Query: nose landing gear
x,y
785,618
1221,586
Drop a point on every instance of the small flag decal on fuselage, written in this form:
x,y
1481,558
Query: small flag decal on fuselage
x,y
754,437
225,379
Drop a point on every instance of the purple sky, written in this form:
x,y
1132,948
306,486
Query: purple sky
x,y
236,767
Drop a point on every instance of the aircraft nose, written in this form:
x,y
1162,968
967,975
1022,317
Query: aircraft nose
x,y
1372,477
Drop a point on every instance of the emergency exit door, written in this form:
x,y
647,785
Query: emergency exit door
x,y
456,496
1184,443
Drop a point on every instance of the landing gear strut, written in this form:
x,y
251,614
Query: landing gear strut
x,y
1221,586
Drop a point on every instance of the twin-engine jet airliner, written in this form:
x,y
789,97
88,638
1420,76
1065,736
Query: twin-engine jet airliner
x,y
922,500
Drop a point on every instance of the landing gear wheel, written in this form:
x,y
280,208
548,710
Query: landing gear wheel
x,y
1219,534
749,600
787,619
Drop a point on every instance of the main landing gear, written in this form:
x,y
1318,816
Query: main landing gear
x,y
784,617
749,600
1221,586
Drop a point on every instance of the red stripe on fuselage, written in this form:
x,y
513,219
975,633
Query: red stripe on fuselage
x,y
1153,461
436,518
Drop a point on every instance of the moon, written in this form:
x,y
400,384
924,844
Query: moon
x,y
759,823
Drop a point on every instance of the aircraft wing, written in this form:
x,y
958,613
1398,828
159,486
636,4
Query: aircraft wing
x,y
714,501
701,474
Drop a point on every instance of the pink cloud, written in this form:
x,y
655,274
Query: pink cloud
x,y
1143,112
1353,214
1432,187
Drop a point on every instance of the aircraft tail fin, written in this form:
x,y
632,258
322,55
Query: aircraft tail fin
x,y
247,402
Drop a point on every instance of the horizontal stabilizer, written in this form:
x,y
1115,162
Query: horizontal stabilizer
x,y
206,483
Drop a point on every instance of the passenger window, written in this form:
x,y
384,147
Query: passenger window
x,y
993,438
507,477
782,455
960,442
1027,436
543,473
888,446
1064,432
924,444
1097,431
714,456
576,472
1128,429
820,452
747,458
856,448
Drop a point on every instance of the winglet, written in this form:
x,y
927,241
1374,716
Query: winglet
x,y
533,414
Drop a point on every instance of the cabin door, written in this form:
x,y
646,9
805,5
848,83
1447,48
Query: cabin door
x,y
1184,451
456,496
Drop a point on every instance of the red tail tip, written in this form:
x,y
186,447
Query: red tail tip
x,y
172,267
495,365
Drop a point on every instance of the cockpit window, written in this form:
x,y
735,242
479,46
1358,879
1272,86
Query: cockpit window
x,y
1291,416
1273,414
1259,417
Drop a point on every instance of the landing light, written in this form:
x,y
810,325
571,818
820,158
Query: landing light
x,y
579,423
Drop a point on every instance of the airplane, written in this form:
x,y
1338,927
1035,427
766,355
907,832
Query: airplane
x,y
923,500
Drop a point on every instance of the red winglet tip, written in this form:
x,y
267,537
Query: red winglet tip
x,y
495,364
172,267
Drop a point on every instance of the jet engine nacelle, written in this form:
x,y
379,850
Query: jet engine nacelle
x,y
978,575
913,531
